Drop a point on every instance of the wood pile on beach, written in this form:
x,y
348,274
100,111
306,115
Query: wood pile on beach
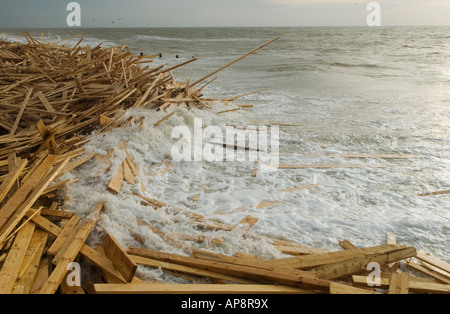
x,y
52,97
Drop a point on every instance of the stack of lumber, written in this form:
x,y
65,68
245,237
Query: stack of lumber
x,y
52,98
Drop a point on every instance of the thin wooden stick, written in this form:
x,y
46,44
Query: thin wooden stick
x,y
237,60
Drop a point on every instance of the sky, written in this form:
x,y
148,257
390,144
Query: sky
x,y
221,13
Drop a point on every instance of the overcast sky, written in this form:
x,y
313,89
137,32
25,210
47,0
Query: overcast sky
x,y
208,13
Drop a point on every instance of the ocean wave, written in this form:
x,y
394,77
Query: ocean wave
x,y
161,38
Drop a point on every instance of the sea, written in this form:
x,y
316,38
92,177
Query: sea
x,y
332,93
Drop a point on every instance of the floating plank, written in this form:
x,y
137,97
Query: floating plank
x,y
233,62
127,173
116,182
164,119
310,186
249,220
324,166
120,259
434,193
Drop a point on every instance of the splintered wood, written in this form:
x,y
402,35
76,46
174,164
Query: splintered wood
x,y
51,99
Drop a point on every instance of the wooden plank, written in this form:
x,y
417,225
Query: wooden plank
x,y
120,259
41,276
72,251
310,186
21,110
31,262
347,245
188,270
331,166
233,62
306,280
416,285
15,211
426,271
45,102
11,178
434,193
427,258
116,182
338,288
314,260
391,238
63,236
399,283
359,263
197,289
11,267
164,119
127,173
249,220
57,213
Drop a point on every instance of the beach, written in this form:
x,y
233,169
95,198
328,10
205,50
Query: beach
x,y
363,134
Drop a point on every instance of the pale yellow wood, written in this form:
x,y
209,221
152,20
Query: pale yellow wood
x,y
188,270
298,279
41,276
127,173
314,260
101,261
21,211
120,259
11,178
11,267
358,263
249,220
399,283
116,182
427,258
21,110
338,288
63,236
72,251
30,266
154,288
426,271
416,285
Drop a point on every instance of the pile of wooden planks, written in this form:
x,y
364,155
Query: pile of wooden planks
x,y
371,270
51,99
